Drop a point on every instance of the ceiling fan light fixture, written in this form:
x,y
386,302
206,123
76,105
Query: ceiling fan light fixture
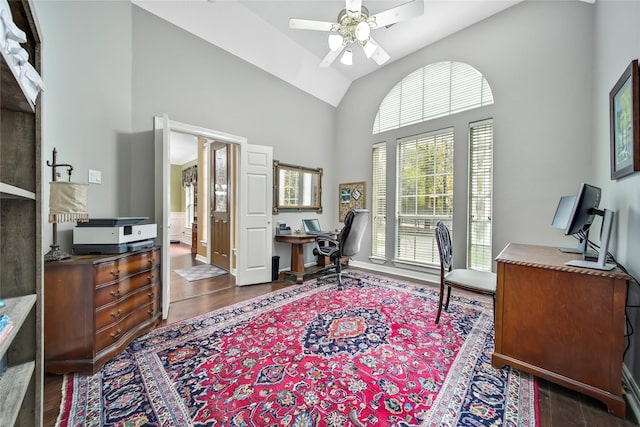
x,y
369,48
335,41
362,31
347,57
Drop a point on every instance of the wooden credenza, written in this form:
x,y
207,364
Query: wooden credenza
x,y
95,305
561,323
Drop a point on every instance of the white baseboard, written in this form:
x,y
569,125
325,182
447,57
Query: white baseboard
x,y
632,392
422,276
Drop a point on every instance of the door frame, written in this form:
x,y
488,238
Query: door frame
x,y
162,189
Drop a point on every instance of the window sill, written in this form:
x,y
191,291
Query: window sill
x,y
425,267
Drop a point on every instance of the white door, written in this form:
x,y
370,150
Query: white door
x,y
254,231
162,136
255,195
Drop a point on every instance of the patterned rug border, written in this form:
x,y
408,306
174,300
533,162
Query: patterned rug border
x,y
242,311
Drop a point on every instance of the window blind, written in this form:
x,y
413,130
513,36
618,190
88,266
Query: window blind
x,y
480,195
379,200
436,90
424,195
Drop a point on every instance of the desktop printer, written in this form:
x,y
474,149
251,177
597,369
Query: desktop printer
x,y
113,235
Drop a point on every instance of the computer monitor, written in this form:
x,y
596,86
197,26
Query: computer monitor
x,y
585,206
563,212
583,210
561,220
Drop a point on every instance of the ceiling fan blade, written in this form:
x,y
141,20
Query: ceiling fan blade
x,y
354,6
400,13
307,24
380,56
331,56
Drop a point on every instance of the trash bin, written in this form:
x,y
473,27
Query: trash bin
x,y
275,267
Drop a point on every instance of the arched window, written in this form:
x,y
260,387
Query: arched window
x,y
436,90
424,191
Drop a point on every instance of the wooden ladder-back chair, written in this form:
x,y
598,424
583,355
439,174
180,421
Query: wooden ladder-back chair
x,y
480,282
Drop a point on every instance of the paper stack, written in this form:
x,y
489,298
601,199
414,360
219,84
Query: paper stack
x,y
10,38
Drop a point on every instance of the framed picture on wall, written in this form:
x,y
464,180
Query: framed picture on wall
x,y
624,117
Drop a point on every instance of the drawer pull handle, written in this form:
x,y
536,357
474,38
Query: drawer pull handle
x,y
150,312
151,295
150,278
116,334
115,273
152,260
117,314
115,294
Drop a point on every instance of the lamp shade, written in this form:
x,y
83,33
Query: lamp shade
x,y
362,31
347,57
68,202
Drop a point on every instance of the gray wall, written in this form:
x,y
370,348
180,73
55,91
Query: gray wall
x,y
86,66
194,82
540,75
616,43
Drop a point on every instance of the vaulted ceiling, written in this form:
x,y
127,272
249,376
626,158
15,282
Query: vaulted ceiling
x,y
258,32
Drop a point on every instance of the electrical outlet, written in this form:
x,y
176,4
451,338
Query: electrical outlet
x,y
95,177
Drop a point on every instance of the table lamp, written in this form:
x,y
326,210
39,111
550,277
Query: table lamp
x,y
67,203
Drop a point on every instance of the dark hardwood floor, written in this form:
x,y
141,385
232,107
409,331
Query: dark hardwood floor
x,y
559,407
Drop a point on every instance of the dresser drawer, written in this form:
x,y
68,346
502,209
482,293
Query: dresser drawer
x,y
127,326
109,271
108,294
113,313
96,305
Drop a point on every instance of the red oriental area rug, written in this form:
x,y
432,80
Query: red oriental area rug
x,y
312,355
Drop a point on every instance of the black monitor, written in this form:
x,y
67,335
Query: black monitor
x,y
577,221
584,209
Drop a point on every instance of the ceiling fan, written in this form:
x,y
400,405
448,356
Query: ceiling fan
x,y
354,25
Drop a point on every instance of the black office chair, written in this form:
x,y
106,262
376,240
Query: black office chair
x,y
346,244
481,282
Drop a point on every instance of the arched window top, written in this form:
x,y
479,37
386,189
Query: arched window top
x,y
436,90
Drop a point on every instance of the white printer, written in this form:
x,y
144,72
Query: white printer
x,y
113,235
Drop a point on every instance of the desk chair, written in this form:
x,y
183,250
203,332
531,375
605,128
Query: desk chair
x,y
346,244
480,282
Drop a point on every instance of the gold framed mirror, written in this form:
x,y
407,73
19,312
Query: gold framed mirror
x,y
296,188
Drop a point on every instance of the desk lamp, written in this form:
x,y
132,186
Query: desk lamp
x,y
67,203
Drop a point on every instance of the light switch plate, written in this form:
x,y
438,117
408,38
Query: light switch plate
x,y
95,177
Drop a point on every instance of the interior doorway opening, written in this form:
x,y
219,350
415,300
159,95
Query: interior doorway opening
x,y
249,201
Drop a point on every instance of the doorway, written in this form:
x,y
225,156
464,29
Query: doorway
x,y
249,202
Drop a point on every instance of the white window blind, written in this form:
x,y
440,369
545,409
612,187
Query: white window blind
x,y
480,195
424,194
379,200
436,90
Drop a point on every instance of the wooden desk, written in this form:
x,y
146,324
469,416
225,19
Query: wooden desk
x,y
561,323
297,242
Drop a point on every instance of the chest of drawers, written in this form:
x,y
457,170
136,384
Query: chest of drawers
x,y
95,305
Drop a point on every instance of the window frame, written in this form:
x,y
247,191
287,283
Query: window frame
x,y
429,219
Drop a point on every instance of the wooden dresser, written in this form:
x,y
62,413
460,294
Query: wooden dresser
x,y
561,323
95,305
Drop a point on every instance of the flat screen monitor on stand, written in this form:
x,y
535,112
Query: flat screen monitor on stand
x,y
576,213
560,220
